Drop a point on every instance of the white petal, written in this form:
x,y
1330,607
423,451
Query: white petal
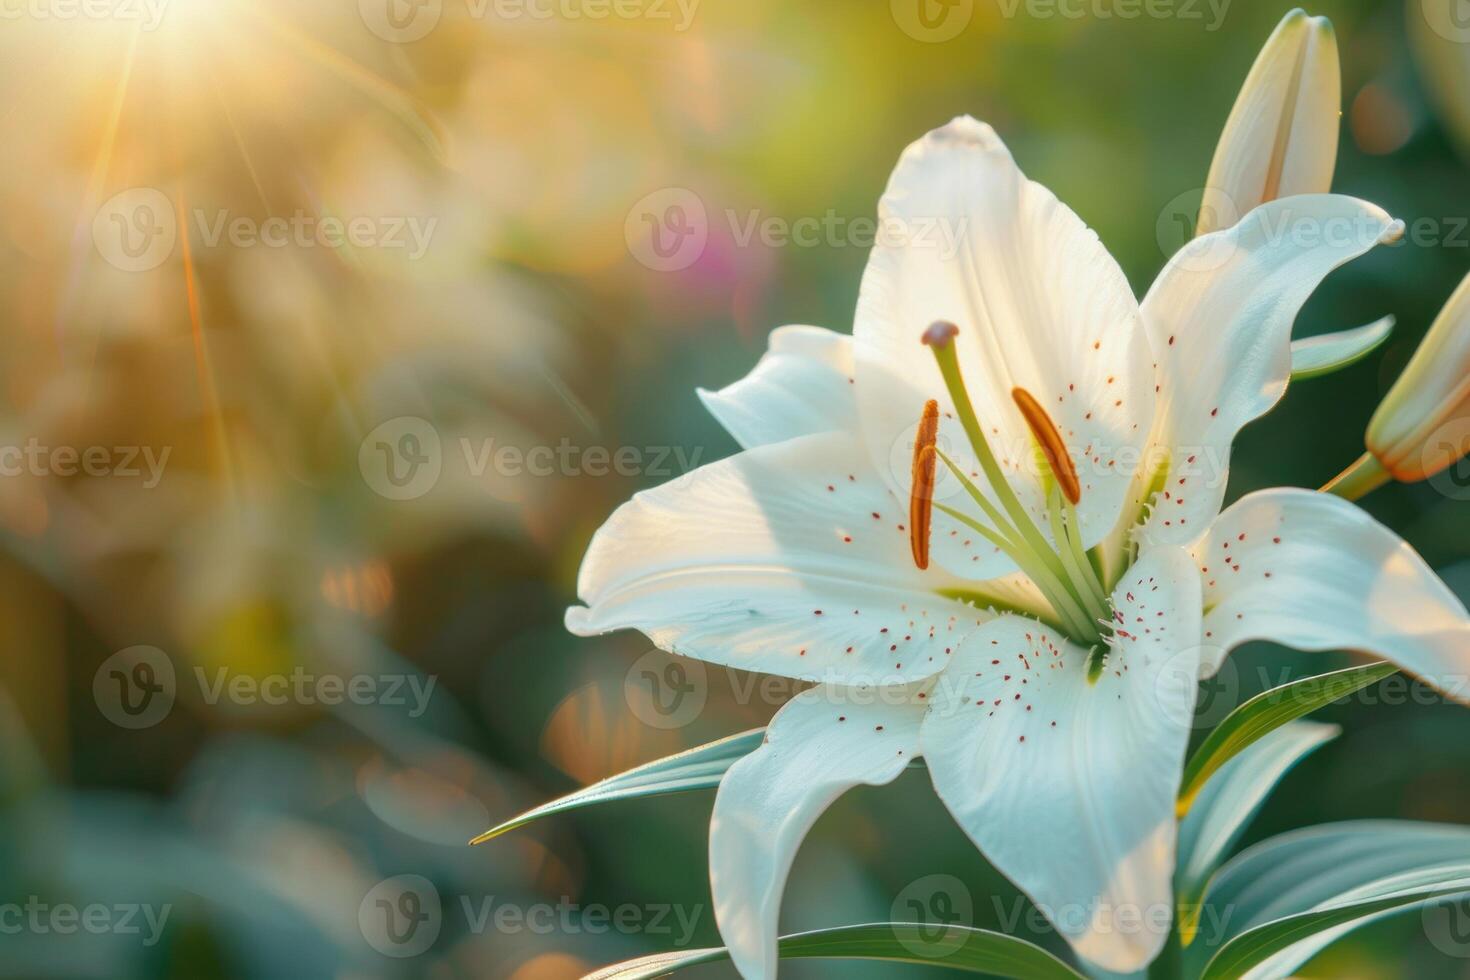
x,y
773,561
820,745
1040,304
1315,572
1068,786
1281,137
801,386
1220,318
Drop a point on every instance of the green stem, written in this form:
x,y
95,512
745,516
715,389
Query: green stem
x,y
1359,479
1074,539
1070,556
1073,617
996,517
1062,599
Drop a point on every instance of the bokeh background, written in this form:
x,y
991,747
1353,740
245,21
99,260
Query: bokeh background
x,y
355,313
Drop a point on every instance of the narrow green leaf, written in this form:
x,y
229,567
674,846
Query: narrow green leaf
x,y
1267,712
1316,356
1225,806
953,947
1259,945
1283,901
697,768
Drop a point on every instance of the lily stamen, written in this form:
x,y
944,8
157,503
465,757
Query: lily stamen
x,y
1062,502
921,498
1050,440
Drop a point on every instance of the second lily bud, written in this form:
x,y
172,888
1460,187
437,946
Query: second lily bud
x,y
1423,426
1281,137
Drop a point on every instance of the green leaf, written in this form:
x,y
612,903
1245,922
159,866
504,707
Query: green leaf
x,y
1288,898
1226,805
953,947
697,768
1316,356
1267,712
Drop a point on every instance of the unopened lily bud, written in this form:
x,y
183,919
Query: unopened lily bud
x,y
1421,427
1281,137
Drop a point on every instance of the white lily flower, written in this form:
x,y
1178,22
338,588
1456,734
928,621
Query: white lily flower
x,y
991,613
1281,137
